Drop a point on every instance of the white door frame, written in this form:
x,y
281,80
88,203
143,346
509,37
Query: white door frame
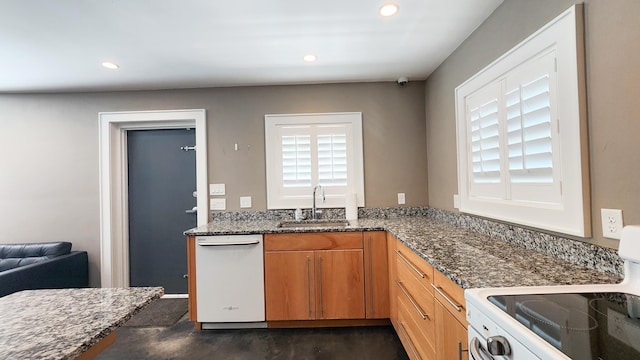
x,y
114,225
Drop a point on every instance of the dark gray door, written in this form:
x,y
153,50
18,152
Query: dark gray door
x,y
162,179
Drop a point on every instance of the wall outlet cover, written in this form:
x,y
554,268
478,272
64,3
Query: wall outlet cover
x,y
245,201
401,199
611,223
218,204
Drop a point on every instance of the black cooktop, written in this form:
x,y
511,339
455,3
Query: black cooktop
x,y
583,326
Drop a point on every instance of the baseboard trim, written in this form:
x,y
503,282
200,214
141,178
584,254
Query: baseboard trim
x,y
327,323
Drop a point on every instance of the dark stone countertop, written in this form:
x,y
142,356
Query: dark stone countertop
x,y
64,323
470,259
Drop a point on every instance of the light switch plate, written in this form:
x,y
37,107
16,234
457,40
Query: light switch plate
x,y
401,199
245,201
218,204
216,189
611,223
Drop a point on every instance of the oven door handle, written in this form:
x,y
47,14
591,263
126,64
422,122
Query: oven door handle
x,y
477,351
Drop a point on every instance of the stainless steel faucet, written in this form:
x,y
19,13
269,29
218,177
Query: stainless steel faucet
x,y
314,211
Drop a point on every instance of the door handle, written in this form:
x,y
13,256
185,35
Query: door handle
x,y
192,211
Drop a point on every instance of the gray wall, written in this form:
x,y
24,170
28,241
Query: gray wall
x,y
613,78
49,149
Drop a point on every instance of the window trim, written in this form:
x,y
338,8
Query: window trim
x,y
571,215
355,164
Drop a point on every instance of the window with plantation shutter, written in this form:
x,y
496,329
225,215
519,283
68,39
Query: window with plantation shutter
x,y
520,133
305,150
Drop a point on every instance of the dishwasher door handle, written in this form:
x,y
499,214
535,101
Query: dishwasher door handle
x,y
233,243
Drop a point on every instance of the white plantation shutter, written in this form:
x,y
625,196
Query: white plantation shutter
x,y
485,143
533,161
332,160
512,136
296,160
529,124
484,147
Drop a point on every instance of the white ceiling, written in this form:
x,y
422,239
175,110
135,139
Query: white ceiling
x,y
59,45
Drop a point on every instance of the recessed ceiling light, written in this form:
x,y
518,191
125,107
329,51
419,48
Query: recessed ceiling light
x,y
388,9
110,65
309,58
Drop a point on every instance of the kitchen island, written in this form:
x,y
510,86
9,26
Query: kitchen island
x,y
67,323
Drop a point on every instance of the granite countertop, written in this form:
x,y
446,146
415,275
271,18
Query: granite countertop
x,y
64,323
470,259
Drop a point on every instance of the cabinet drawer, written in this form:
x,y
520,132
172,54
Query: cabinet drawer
x,y
425,324
414,265
313,241
450,295
420,332
413,287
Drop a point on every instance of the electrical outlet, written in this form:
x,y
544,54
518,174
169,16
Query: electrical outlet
x,y
401,199
245,201
218,204
611,223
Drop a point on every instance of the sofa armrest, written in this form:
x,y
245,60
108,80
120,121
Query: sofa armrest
x,y
66,271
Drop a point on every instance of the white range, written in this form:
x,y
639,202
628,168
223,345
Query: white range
x,y
578,322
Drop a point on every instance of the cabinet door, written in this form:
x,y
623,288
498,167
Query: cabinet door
x,y
451,336
191,275
376,275
393,277
289,285
340,284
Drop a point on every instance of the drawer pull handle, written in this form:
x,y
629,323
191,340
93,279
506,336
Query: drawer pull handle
x,y
415,305
373,310
413,267
309,286
458,307
406,336
320,282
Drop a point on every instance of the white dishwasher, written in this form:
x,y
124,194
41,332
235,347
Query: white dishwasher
x,y
230,281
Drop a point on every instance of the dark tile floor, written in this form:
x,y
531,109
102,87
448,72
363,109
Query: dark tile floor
x,y
181,341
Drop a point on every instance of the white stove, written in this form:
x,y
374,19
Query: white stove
x,y
560,322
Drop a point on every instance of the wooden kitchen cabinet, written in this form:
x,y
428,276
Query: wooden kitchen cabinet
x,y
427,309
191,280
393,291
290,285
451,335
376,272
314,276
340,284
450,312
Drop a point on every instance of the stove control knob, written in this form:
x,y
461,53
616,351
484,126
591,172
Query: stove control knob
x,y
498,346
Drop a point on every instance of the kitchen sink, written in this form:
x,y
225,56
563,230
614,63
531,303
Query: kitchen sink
x,y
313,224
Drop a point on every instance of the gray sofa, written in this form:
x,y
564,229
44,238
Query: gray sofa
x,y
49,265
